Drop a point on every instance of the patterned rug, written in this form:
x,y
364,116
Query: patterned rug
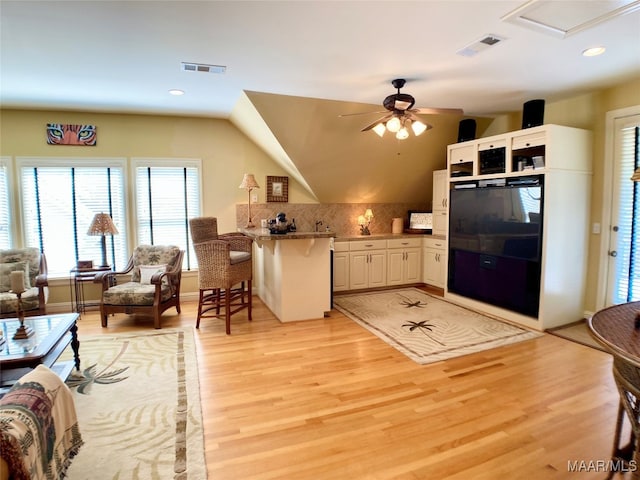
x,y
138,407
425,328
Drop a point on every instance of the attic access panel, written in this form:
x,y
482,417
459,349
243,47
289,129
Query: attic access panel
x,y
561,19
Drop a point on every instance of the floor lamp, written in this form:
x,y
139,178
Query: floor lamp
x,y
249,183
102,225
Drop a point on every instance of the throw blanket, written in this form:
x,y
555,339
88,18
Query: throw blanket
x,y
39,432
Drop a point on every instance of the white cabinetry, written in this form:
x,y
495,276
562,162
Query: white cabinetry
x,y
562,157
341,266
403,261
434,257
440,202
462,159
367,264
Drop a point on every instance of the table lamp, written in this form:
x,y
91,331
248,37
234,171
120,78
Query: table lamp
x,y
249,183
17,287
364,221
103,225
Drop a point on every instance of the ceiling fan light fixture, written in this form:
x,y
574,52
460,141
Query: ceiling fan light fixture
x,y
380,129
402,133
418,127
394,125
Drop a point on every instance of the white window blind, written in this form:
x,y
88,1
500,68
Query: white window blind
x,y
166,198
627,260
5,212
59,203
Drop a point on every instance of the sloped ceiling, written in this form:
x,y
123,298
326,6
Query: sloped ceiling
x,y
336,161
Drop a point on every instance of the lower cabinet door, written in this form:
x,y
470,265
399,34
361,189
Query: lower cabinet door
x,y
435,267
340,271
377,269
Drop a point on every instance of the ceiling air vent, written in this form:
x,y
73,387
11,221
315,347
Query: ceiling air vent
x,y
480,45
203,68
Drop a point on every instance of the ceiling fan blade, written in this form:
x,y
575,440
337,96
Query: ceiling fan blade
x,y
383,119
361,113
436,111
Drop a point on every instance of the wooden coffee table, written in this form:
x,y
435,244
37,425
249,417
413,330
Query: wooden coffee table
x,y
52,334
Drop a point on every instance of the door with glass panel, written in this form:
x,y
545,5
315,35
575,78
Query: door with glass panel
x,y
623,283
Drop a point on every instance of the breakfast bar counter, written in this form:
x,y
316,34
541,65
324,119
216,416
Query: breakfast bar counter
x,y
293,272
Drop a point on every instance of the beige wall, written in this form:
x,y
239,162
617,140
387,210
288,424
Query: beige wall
x,y
227,153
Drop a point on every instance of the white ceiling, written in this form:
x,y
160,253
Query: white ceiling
x,y
124,56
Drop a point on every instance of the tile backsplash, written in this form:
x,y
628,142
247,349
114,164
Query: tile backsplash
x,y
341,218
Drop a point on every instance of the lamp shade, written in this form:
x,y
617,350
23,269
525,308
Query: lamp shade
x,y
368,214
249,182
394,124
380,129
418,127
102,225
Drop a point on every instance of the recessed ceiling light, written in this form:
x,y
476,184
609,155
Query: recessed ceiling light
x,y
176,92
593,52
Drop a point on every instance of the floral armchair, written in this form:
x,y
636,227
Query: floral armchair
x,y
34,264
156,272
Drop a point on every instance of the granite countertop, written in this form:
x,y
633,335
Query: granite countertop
x,y
265,234
387,236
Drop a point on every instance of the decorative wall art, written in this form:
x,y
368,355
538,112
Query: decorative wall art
x,y
277,189
66,134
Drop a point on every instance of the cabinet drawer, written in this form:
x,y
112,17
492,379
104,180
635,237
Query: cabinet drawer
x,y
462,154
530,140
341,246
490,145
404,242
367,245
434,243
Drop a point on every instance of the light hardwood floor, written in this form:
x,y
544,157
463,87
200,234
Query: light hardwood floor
x,y
326,399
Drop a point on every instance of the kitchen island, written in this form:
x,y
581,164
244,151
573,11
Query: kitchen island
x,y
293,275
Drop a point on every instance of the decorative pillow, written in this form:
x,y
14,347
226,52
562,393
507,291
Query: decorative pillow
x,y
147,271
5,274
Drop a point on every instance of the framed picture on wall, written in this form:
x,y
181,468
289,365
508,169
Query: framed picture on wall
x,y
277,189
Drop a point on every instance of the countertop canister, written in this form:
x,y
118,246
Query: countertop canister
x,y
396,225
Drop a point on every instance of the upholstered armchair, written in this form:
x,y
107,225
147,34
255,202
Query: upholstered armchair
x,y
156,272
34,264
225,264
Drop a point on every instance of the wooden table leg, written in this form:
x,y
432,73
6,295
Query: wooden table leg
x,y
75,345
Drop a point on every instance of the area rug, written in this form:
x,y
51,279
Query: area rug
x,y
578,333
425,328
138,407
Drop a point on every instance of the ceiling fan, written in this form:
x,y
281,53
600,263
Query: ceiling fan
x,y
401,115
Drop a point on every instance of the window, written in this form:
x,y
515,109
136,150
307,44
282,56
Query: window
x,y
626,284
59,200
167,196
5,212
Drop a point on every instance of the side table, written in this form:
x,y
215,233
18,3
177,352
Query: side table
x,y
77,278
614,327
